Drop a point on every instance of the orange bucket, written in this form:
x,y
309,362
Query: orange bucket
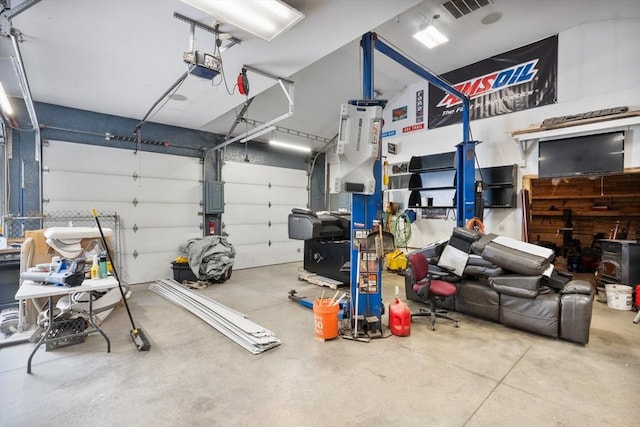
x,y
325,318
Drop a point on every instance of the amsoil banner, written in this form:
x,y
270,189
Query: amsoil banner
x,y
513,81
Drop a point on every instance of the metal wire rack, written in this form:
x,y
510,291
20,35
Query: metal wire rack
x,y
15,226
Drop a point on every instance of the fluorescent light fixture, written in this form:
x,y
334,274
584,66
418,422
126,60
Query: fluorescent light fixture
x,y
262,18
4,102
431,37
294,147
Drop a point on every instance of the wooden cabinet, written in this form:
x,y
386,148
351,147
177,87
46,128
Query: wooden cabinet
x,y
594,206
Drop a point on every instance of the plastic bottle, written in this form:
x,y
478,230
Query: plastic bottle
x,y
55,263
103,266
399,317
95,268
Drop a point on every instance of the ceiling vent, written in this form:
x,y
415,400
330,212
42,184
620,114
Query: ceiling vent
x,y
460,8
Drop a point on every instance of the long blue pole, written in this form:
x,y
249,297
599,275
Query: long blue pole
x,y
364,209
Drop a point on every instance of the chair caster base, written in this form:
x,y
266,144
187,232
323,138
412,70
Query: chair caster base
x,y
443,314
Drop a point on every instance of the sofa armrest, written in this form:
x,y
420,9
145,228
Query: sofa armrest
x,y
577,287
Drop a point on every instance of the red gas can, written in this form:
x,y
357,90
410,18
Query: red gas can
x,y
638,296
399,318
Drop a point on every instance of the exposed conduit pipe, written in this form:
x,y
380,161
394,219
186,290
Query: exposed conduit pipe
x,y
6,29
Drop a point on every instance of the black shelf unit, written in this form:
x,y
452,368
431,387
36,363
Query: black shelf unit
x,y
433,179
499,186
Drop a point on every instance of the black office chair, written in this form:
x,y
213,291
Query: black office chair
x,y
427,286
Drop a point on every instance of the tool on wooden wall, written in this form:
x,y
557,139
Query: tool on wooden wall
x,y
138,337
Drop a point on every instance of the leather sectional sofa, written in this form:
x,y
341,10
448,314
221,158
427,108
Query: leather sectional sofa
x,y
511,282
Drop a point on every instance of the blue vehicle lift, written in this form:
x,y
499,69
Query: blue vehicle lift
x,y
366,208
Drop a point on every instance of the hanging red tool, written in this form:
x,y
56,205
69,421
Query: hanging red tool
x,y
243,82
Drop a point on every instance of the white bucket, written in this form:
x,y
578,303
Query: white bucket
x,y
619,296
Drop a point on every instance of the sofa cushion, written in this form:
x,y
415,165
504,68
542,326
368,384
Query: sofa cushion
x,y
433,250
557,279
455,255
519,286
540,315
478,299
478,246
515,260
480,272
478,261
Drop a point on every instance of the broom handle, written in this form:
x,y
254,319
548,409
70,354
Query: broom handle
x,y
113,265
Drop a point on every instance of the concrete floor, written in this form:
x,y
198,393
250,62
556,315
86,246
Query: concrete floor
x,y
481,374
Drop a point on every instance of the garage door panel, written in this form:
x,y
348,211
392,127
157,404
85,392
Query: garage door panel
x,y
142,215
249,189
244,234
288,196
256,214
259,174
281,213
100,160
85,206
74,187
260,255
94,159
235,214
77,186
146,267
158,210
157,215
159,190
180,168
152,240
251,194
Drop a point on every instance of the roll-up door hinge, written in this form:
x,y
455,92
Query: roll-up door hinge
x,y
135,254
135,202
135,176
135,228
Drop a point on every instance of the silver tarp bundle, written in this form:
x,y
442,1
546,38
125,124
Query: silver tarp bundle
x,y
210,257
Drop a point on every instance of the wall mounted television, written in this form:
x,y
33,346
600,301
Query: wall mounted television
x,y
600,154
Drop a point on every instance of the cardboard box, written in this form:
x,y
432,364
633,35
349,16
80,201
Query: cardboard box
x,y
43,253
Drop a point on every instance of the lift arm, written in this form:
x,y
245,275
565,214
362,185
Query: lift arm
x,y
465,183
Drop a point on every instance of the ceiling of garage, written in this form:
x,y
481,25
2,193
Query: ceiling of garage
x,y
119,56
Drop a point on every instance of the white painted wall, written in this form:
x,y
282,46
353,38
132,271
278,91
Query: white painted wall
x,y
598,67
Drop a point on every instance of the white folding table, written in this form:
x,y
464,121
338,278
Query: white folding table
x,y
30,290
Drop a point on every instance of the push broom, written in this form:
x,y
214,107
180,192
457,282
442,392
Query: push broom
x,y
137,335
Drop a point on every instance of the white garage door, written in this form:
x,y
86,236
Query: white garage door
x,y
157,197
258,200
